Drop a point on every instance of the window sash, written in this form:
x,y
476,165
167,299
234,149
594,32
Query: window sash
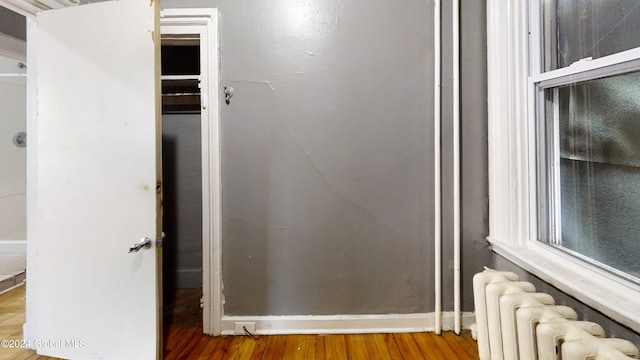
x,y
585,70
546,219
512,67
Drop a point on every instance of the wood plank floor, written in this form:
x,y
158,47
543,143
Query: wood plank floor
x,y
190,343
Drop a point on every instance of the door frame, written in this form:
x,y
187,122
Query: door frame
x,y
203,22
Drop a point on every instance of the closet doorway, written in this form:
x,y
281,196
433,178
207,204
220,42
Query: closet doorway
x,y
192,276
182,185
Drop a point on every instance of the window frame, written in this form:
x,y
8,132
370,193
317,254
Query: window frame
x,y
513,80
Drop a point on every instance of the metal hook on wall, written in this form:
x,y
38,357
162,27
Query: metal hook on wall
x,y
228,94
20,139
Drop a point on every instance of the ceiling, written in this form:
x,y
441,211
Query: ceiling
x,y
31,7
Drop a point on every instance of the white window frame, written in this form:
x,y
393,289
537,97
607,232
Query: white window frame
x,y
512,164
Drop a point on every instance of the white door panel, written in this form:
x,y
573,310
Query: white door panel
x,y
95,192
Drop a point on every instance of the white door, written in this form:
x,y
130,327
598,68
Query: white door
x,y
94,187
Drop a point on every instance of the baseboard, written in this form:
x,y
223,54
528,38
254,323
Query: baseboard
x,y
13,246
345,324
8,283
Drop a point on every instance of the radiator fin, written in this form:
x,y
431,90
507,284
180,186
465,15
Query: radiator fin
x,y
513,322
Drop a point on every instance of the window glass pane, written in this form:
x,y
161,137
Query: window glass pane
x,y
597,182
575,30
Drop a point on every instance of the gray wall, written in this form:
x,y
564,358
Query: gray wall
x,y
328,156
474,211
182,199
327,168
12,24
473,128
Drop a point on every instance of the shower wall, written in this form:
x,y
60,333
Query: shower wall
x,y
13,174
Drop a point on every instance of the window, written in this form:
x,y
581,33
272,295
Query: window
x,y
564,146
588,131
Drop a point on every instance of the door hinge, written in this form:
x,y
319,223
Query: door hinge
x,y
160,239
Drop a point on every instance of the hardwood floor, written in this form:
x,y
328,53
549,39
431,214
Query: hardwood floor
x,y
181,308
190,343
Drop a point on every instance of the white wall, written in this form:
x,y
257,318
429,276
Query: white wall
x,y
13,167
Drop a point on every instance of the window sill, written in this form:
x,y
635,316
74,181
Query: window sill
x,y
615,299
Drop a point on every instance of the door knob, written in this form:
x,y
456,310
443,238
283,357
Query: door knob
x,y
143,243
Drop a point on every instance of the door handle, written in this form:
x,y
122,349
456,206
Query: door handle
x,y
143,243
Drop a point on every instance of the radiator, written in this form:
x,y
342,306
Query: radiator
x,y
514,322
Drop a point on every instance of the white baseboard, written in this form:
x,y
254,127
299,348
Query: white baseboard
x,y
13,246
345,324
